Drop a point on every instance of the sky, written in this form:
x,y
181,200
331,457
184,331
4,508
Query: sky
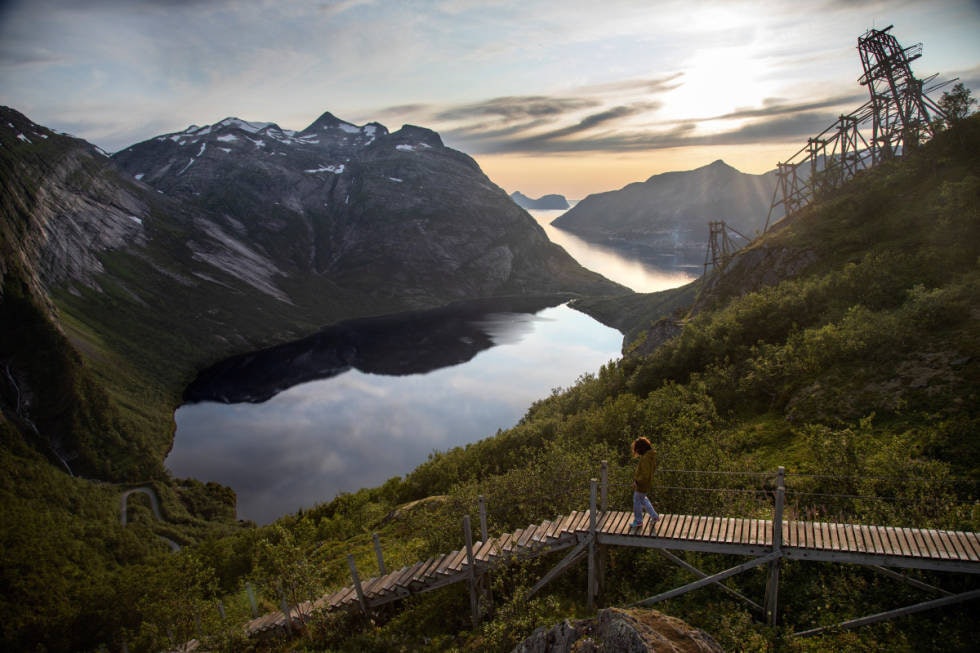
x,y
560,96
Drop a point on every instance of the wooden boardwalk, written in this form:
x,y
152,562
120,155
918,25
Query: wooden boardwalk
x,y
937,550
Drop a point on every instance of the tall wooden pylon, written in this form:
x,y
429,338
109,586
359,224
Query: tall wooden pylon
x,y
900,110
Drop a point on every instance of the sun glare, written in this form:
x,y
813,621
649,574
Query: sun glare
x,y
717,82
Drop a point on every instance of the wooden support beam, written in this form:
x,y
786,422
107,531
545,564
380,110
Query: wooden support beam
x,y
708,580
911,581
380,556
250,593
357,584
483,519
593,566
772,585
700,574
604,478
474,598
891,614
284,606
570,558
602,556
484,537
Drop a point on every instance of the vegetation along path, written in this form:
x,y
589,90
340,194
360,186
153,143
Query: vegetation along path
x,y
583,532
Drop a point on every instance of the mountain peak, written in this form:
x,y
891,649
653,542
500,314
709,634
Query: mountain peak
x,y
412,135
244,125
718,164
327,122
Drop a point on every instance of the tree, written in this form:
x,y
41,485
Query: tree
x,y
956,104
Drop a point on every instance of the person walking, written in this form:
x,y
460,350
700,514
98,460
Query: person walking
x,y
642,482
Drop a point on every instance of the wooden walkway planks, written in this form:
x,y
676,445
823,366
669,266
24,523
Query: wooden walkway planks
x,y
939,550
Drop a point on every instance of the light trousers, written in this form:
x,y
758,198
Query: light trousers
x,y
641,502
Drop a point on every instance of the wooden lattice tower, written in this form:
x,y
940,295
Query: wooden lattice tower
x,y
720,245
899,115
900,110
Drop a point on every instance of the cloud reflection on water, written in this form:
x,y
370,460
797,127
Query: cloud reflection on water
x,y
306,444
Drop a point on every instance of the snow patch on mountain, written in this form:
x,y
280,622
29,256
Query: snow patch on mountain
x,y
336,169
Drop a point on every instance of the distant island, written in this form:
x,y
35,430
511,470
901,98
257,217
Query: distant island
x,y
543,203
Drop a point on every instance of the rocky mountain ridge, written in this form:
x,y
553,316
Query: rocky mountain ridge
x,y
389,212
665,218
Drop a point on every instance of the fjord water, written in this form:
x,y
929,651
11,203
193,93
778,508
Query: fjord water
x,y
314,419
637,275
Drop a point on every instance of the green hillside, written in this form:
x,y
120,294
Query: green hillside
x,y
858,371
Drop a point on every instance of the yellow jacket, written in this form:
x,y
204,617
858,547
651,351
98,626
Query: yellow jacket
x,y
644,471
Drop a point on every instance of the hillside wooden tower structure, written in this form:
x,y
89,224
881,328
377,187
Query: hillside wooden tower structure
x,y
720,245
897,117
900,110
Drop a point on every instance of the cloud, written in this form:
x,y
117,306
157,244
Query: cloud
x,y
644,86
584,125
776,107
516,108
519,121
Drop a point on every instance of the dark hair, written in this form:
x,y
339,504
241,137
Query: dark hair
x,y
641,446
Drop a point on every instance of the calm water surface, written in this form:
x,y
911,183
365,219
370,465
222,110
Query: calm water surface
x,y
638,275
356,429
293,442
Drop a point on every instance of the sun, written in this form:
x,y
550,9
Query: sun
x,y
718,82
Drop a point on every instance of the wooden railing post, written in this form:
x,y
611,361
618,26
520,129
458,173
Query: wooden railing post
x,y
483,519
604,496
593,520
474,599
380,556
603,553
484,537
250,593
772,589
357,584
284,606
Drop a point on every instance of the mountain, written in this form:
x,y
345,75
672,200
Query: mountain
x,y
665,218
219,240
543,203
395,215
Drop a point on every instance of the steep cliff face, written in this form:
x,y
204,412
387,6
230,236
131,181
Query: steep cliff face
x,y
56,232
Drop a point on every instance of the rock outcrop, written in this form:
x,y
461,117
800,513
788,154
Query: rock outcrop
x,y
551,202
623,631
